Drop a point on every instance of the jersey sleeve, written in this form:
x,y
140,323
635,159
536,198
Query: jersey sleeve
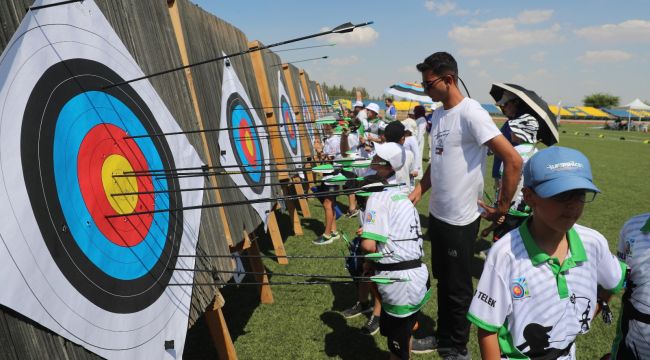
x,y
481,125
620,248
611,271
491,303
375,220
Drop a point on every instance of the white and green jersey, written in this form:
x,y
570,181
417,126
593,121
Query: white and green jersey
x,y
537,306
634,249
393,222
525,150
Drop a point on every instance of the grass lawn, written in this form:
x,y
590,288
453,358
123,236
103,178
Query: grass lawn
x,y
305,323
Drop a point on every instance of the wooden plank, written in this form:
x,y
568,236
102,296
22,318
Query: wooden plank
x,y
266,295
180,40
304,206
276,238
219,329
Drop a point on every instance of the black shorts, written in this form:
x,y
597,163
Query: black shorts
x,y
398,332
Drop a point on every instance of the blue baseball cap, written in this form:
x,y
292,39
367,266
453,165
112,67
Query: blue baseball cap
x,y
557,169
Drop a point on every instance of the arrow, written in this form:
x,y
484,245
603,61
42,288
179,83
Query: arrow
x,y
371,256
299,61
375,187
53,4
376,278
344,28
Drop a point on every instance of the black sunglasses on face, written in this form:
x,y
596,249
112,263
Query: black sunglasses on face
x,y
429,84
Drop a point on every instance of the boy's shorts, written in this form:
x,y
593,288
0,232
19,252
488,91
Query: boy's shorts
x,y
398,332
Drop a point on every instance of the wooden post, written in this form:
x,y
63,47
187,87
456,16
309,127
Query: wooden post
x,y
219,329
276,238
180,40
266,295
306,146
267,102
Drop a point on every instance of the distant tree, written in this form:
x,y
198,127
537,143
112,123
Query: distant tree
x,y
601,100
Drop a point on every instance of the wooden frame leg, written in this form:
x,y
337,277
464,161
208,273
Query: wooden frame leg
x,y
219,329
304,205
266,295
276,238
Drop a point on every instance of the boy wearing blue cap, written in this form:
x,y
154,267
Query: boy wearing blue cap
x,y
538,290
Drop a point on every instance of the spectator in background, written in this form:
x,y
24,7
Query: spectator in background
x,y
375,125
391,112
395,133
361,114
420,135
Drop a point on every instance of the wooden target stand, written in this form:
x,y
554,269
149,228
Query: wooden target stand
x,y
213,313
306,146
278,153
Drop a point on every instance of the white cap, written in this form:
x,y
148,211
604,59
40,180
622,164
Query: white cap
x,y
393,153
358,104
373,107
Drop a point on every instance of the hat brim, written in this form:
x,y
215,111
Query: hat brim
x,y
566,183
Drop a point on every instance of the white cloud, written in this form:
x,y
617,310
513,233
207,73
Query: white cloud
x,y
408,69
474,63
538,56
627,31
364,36
348,60
497,35
534,16
604,56
440,7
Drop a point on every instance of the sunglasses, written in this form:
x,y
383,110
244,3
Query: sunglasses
x,y
575,195
429,84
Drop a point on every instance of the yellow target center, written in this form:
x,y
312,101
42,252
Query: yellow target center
x,y
118,165
249,142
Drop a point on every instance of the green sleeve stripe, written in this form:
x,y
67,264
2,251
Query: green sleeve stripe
x,y
621,282
405,310
373,236
482,324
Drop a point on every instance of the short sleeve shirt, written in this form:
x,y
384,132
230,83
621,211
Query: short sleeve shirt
x,y
332,145
634,249
537,306
393,222
458,158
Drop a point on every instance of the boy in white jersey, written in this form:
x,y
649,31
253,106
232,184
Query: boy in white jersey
x,y
391,226
538,290
633,331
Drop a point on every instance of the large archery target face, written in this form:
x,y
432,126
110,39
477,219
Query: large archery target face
x,y
101,282
80,146
290,129
245,151
287,128
246,143
306,116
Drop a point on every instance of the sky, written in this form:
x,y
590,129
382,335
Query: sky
x,y
563,50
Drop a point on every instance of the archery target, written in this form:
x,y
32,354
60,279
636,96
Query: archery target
x,y
242,145
78,261
287,122
306,116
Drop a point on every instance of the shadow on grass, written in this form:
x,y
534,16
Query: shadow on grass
x,y
241,302
347,342
345,295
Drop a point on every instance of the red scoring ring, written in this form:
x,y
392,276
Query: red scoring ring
x,y
99,143
243,136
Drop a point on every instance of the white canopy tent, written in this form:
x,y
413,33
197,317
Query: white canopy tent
x,y
637,104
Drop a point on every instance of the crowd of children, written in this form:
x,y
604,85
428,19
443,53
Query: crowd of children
x,y
544,279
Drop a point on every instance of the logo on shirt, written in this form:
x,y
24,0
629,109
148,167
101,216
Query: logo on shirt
x,y
629,244
370,217
440,138
519,288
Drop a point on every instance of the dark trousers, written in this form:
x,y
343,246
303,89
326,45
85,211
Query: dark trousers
x,y
451,264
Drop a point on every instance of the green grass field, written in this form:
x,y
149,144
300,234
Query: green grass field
x,y
304,322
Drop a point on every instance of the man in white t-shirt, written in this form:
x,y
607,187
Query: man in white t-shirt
x,y
361,114
462,131
633,331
